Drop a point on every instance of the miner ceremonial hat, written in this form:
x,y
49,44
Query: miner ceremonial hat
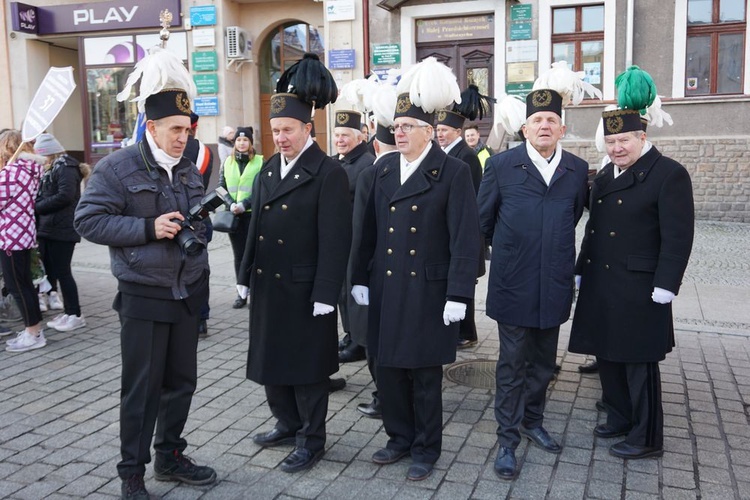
x,y
426,88
557,88
349,119
473,105
305,86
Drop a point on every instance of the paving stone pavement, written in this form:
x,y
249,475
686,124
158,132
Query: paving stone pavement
x,y
59,408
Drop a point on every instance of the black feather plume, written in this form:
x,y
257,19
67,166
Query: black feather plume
x,y
310,80
473,104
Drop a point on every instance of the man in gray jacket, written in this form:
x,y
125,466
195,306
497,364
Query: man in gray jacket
x,y
136,202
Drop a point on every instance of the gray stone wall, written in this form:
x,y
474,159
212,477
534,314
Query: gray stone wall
x,y
719,168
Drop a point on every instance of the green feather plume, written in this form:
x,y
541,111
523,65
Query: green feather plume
x,y
635,89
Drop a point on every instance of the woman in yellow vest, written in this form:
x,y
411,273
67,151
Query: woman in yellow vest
x,y
236,176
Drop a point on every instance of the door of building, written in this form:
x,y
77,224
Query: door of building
x,y
282,48
473,63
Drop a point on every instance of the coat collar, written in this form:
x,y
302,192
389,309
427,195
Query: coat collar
x,y
522,160
638,172
354,154
429,171
306,168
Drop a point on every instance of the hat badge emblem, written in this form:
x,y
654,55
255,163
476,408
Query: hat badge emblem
x,y
403,104
278,103
182,102
541,98
442,115
615,124
341,118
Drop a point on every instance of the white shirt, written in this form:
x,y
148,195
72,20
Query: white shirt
x,y
286,167
409,168
547,169
162,159
452,144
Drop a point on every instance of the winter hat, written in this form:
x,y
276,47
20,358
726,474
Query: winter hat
x,y
46,144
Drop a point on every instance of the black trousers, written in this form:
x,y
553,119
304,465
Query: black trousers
x,y
238,239
525,366
301,409
57,256
16,266
633,394
159,374
467,327
412,405
372,363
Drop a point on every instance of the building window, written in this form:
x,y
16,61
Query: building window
x,y
715,47
578,38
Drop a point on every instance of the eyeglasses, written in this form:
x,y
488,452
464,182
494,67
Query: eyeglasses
x,y
405,128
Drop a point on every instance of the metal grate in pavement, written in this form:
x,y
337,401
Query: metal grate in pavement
x,y
476,373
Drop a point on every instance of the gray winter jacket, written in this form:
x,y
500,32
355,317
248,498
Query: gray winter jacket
x,y
126,192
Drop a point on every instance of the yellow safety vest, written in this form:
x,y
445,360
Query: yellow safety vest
x,y
483,155
240,186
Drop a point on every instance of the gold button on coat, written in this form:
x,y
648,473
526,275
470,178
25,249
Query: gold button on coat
x,y
259,271
389,251
619,202
393,209
414,208
413,230
388,273
284,207
612,233
260,238
599,201
267,207
281,242
412,252
390,229
606,266
413,273
277,276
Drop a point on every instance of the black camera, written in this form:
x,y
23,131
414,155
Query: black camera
x,y
186,238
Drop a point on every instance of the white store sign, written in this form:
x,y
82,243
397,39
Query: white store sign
x,y
340,10
204,37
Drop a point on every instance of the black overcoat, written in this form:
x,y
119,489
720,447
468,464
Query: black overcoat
x,y
296,254
354,162
419,247
639,236
532,227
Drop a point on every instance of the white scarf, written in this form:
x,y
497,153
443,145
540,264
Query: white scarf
x,y
546,169
287,166
162,158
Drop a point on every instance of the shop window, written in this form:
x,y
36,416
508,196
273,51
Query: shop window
x,y
578,38
716,31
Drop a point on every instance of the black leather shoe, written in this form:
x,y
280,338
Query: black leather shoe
x,y
134,489
592,367
605,431
419,471
336,384
371,409
540,437
300,459
505,463
352,353
202,329
178,467
385,456
632,452
239,303
558,367
344,342
465,343
601,406
273,438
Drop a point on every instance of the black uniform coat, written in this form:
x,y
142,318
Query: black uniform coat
x,y
639,236
296,254
419,246
532,227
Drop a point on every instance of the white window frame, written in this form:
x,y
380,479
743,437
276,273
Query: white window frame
x,y
680,50
610,27
409,16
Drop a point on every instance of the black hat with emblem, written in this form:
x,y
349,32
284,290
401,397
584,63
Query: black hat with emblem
x,y
426,88
636,92
349,119
168,102
543,100
305,86
618,121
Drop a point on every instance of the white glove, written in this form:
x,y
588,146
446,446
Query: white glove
x,y
662,296
237,208
454,311
321,309
242,291
577,279
361,295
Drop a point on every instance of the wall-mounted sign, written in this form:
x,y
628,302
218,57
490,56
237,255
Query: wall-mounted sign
x,y
385,54
205,61
204,37
203,15
341,59
520,12
455,28
521,89
340,10
105,16
520,31
207,83
24,17
206,106
521,72
521,51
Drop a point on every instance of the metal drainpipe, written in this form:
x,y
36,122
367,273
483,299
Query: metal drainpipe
x,y
366,35
629,36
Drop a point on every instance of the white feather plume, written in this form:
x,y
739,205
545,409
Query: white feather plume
x,y
354,92
384,100
569,84
159,70
510,112
431,85
599,136
656,116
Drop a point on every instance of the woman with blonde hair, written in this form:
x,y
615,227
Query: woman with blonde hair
x,y
19,181
236,176
59,193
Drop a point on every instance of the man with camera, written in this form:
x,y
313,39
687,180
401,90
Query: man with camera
x,y
138,201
